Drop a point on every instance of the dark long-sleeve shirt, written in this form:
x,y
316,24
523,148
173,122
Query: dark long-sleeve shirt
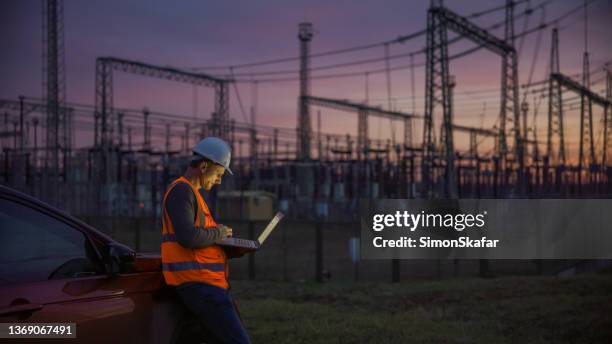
x,y
182,208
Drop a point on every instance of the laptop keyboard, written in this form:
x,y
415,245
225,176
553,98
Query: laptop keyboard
x,y
240,242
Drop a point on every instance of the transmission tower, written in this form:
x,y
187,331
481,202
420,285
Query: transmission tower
x,y
439,19
304,128
54,89
437,94
586,120
555,107
510,111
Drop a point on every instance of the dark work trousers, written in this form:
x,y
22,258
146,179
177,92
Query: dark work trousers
x,y
215,309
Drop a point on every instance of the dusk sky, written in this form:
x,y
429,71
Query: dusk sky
x,y
223,33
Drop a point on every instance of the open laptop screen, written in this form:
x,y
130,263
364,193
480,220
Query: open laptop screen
x,y
270,227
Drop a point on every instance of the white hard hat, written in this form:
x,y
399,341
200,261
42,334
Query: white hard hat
x,y
214,149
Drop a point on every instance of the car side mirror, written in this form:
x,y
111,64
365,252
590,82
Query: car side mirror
x,y
119,259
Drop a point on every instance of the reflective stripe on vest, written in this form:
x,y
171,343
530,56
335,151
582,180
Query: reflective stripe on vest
x,y
193,266
180,264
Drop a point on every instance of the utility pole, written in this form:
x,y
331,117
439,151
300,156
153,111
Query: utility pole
x,y
319,148
129,130
96,129
35,123
22,135
607,118
5,127
304,128
186,139
408,132
167,138
524,138
15,136
147,138
221,114
120,125
275,143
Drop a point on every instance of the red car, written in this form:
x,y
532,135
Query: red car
x,y
57,269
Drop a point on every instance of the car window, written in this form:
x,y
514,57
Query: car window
x,y
37,247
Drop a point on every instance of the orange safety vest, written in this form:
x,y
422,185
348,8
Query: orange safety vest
x,y
180,264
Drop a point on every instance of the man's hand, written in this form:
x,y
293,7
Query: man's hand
x,y
226,232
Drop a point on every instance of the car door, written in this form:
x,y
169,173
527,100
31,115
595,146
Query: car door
x,y
51,271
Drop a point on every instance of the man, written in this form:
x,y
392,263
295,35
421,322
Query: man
x,y
191,261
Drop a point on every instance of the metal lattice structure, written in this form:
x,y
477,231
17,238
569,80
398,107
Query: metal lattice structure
x,y
575,86
481,132
106,118
510,110
474,133
437,89
607,119
588,97
586,120
54,90
136,152
363,112
555,132
438,84
25,108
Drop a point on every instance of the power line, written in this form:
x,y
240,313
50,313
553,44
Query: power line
x,y
405,67
238,98
399,39
534,59
456,39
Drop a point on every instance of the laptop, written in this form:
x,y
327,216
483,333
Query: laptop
x,y
246,245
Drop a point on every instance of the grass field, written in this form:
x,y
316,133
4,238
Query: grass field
x,y
503,310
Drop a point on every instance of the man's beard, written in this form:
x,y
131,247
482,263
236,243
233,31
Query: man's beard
x,y
203,183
